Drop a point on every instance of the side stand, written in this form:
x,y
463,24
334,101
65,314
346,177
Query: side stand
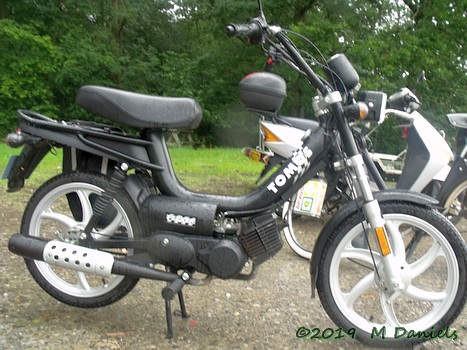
x,y
174,287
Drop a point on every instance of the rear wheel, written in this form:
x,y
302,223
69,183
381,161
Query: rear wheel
x,y
298,239
434,278
59,210
456,207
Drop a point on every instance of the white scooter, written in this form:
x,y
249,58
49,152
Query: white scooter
x,y
425,162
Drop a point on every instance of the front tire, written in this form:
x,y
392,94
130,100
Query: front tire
x,y
59,210
434,278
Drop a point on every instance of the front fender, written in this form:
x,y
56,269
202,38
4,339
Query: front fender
x,y
350,208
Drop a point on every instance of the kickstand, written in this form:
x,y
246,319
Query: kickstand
x,y
181,299
174,287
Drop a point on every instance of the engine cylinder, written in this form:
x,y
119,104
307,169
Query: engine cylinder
x,y
261,238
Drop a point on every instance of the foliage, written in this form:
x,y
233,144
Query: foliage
x,y
177,48
28,61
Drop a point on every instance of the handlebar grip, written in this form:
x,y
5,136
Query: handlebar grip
x,y
397,100
252,29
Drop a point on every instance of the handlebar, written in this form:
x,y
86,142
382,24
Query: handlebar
x,y
252,29
404,99
400,114
257,31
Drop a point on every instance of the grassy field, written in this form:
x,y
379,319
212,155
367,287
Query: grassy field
x,y
216,170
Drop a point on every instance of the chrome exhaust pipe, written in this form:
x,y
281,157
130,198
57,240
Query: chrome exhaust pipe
x,y
82,259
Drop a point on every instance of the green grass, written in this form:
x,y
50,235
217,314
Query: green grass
x,y
216,170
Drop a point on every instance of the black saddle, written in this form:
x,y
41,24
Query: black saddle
x,y
138,110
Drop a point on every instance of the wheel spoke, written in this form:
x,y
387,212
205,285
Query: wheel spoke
x,y
82,281
108,231
86,204
359,288
63,219
350,252
422,264
388,311
423,295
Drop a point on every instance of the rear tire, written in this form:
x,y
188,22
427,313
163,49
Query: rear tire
x,y
58,210
456,207
434,278
298,240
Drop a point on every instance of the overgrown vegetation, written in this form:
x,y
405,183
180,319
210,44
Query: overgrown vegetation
x,y
49,48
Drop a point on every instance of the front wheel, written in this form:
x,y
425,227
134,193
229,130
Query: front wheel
x,y
59,210
434,278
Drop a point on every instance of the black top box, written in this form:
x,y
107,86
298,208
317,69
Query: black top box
x,y
263,92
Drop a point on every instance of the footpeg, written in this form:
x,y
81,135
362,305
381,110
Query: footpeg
x,y
172,289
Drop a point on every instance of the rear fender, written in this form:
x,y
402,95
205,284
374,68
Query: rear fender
x,y
24,164
73,160
391,195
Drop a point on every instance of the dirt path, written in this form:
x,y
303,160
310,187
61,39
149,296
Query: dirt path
x,y
264,313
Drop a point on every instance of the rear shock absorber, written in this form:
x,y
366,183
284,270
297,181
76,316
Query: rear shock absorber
x,y
104,201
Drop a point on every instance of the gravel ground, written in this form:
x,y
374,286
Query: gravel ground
x,y
264,313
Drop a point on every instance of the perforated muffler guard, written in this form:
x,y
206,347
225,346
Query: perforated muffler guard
x,y
78,258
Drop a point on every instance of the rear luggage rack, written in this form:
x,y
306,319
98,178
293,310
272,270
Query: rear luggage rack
x,y
96,136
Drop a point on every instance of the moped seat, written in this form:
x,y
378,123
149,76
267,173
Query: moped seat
x,y
459,120
139,110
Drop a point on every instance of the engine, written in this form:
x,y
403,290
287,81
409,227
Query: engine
x,y
187,235
261,238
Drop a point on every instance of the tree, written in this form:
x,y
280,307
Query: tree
x,y
28,63
178,47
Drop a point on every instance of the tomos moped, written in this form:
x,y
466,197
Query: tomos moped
x,y
117,211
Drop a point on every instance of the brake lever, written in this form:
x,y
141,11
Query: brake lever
x,y
274,58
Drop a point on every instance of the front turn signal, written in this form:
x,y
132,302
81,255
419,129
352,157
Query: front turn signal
x,y
356,111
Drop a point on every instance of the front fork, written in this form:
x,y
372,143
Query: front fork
x,y
392,253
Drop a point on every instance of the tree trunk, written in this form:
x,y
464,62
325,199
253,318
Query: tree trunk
x,y
301,9
3,9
